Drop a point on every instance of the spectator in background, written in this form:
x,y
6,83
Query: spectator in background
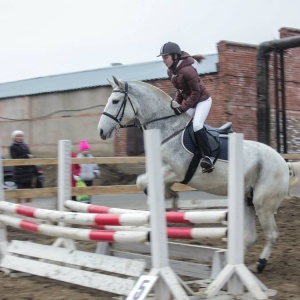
x,y
75,171
88,172
23,175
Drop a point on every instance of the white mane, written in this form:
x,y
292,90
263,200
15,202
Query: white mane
x,y
153,89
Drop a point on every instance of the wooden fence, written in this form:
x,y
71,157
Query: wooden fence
x,y
93,190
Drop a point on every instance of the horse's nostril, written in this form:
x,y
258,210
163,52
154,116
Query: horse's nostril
x,y
101,132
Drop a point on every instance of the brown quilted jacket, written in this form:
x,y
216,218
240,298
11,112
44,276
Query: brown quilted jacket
x,y
189,85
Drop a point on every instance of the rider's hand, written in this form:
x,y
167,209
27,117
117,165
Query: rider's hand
x,y
177,110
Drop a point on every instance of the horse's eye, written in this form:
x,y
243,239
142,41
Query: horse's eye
x,y
115,101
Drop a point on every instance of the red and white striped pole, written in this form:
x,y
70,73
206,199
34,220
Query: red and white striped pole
x,y
191,217
126,219
210,233
76,233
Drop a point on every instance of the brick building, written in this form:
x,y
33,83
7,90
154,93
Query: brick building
x,y
233,90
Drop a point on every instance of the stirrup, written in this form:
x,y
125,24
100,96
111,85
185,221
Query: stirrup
x,y
206,165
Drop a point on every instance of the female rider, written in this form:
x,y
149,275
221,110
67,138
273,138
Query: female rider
x,y
191,94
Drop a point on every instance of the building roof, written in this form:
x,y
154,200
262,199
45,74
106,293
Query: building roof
x,y
96,78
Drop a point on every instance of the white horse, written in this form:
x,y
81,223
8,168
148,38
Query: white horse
x,y
266,173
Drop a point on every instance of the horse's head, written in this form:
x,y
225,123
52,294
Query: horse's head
x,y
119,110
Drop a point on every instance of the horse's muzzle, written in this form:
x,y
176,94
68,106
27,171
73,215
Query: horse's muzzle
x,y
103,137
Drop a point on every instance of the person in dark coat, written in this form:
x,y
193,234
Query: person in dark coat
x,y
23,175
191,95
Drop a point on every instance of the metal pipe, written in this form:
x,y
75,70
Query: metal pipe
x,y
276,101
283,99
263,105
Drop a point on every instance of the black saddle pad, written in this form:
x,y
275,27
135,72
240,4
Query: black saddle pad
x,y
190,147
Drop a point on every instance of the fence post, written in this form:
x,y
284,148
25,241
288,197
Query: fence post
x,y
161,276
235,251
64,172
159,242
3,232
64,186
235,273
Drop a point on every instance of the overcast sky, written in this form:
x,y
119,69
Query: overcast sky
x,y
48,37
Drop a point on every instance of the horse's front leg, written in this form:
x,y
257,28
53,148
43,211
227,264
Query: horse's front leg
x,y
169,178
142,183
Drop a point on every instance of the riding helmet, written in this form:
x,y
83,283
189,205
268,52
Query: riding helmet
x,y
169,48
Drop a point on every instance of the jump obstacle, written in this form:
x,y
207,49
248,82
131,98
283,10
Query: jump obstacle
x,y
118,220
113,217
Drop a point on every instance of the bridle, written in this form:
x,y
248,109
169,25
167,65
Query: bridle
x,y
118,118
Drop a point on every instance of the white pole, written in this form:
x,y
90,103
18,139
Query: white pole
x,y
3,232
2,197
159,240
159,246
167,285
64,172
235,208
64,186
235,273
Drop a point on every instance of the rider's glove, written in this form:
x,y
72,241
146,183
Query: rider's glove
x,y
177,110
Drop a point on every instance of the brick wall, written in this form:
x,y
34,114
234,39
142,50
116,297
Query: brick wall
x,y
233,91
292,87
237,88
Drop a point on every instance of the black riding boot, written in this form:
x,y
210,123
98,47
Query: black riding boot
x,y
202,140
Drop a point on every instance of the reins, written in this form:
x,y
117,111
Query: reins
x,y
172,135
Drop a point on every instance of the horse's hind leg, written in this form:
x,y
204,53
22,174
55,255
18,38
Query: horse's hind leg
x,y
267,198
250,234
268,224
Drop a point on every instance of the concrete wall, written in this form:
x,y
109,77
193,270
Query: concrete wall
x,y
47,118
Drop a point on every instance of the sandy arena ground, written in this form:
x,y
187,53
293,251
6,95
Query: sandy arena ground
x,y
282,272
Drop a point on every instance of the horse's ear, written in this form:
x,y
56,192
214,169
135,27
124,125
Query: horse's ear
x,y
111,83
116,81
119,83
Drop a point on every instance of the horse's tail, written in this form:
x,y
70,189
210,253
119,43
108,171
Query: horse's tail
x,y
294,168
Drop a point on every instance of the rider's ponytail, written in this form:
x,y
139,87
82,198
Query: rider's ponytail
x,y
198,58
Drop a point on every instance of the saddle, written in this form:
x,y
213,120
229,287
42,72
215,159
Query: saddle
x,y
214,136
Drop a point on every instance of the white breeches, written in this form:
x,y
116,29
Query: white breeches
x,y
200,113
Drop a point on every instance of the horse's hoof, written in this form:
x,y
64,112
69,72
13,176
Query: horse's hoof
x,y
169,209
261,264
